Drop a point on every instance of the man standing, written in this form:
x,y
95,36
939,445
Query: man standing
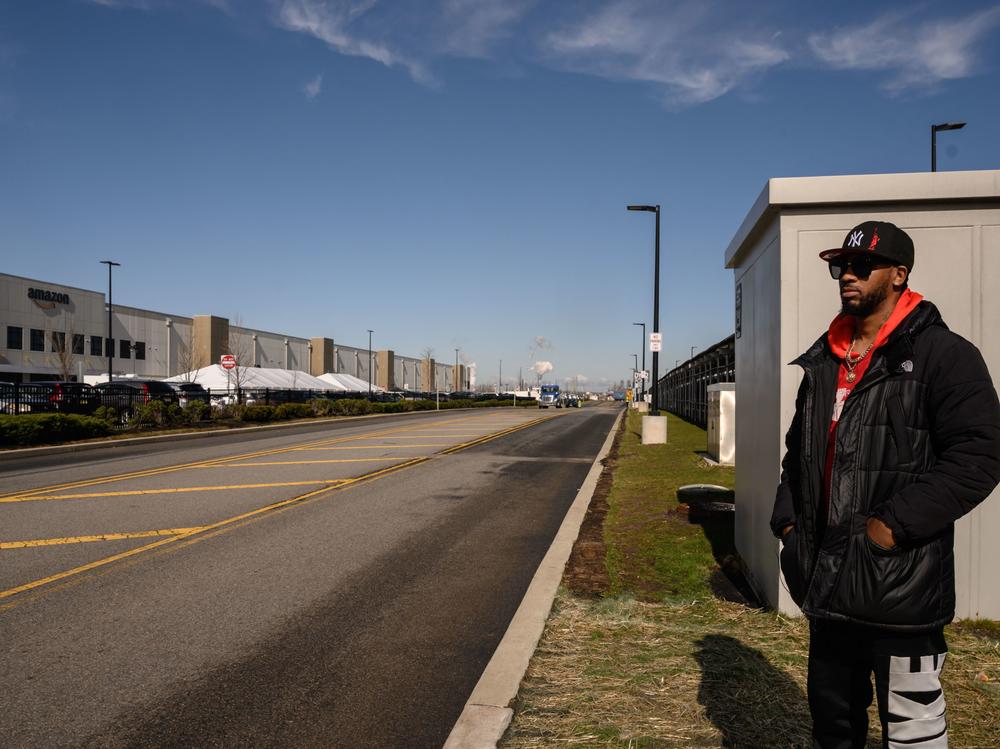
x,y
896,435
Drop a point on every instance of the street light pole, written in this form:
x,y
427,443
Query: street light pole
x,y
643,356
370,364
110,264
654,408
935,129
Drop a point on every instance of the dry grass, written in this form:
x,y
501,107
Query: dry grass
x,y
620,672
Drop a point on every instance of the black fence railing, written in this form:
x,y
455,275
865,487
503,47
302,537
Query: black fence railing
x,y
76,398
684,390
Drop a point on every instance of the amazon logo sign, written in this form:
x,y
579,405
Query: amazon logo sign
x,y
47,299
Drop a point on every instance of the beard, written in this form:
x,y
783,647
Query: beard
x,y
866,304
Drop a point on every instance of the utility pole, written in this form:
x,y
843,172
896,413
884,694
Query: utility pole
x,y
108,342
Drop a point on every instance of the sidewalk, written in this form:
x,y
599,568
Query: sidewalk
x,y
650,642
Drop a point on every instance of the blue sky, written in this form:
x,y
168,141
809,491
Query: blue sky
x,y
454,173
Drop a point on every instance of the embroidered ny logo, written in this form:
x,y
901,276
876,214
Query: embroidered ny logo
x,y
855,240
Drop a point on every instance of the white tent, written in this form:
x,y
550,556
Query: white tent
x,y
348,383
214,377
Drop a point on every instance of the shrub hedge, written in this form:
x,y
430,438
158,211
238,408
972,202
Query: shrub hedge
x,y
24,430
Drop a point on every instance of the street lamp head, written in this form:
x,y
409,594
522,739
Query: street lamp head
x,y
948,126
652,208
109,263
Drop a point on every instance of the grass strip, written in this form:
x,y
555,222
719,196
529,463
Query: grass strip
x,y
663,659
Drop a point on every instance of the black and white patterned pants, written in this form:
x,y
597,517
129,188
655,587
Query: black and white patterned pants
x,y
907,670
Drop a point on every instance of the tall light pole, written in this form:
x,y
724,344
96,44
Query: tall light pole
x,y
643,356
370,364
935,129
655,408
635,369
107,342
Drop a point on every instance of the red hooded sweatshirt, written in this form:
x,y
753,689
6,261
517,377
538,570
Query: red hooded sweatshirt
x,y
839,337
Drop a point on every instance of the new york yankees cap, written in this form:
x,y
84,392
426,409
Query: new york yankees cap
x,y
879,238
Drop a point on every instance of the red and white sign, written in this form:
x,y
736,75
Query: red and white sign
x,y
228,361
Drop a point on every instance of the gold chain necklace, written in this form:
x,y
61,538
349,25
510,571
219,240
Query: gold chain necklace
x,y
849,364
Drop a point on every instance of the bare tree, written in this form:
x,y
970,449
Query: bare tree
x,y
241,347
427,352
186,359
66,347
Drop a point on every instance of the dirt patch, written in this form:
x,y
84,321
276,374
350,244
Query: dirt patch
x,y
586,573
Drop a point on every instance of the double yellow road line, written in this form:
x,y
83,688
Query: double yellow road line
x,y
192,535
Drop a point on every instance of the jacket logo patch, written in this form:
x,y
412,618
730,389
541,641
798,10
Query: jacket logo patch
x,y
906,366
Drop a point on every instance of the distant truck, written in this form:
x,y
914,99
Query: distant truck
x,y
548,396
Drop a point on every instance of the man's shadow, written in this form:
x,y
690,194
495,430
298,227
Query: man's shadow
x,y
752,703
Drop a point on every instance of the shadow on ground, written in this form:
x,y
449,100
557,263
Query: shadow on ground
x,y
753,704
728,582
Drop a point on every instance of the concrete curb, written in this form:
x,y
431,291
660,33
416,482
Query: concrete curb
x,y
487,712
33,452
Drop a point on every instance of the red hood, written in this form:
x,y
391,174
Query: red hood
x,y
842,327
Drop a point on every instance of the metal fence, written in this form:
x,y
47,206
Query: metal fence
x,y
684,390
42,397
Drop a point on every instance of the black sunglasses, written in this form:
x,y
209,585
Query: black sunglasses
x,y
862,265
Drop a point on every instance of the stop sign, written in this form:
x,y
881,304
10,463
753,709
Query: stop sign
x,y
228,361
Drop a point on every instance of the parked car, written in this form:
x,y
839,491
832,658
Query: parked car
x,y
25,398
127,393
231,399
48,396
65,397
189,392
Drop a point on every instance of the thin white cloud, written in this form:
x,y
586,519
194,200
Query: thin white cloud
x,y
312,88
681,46
474,27
915,54
330,21
140,4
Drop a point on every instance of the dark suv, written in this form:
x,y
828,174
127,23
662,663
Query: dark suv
x,y
68,397
189,392
128,393
44,396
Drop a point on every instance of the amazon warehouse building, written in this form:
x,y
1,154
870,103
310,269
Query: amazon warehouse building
x,y
57,332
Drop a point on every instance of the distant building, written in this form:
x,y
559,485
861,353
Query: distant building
x,y
52,331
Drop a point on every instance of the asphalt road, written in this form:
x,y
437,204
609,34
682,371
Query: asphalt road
x,y
337,586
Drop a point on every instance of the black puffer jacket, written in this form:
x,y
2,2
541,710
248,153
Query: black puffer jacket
x,y
918,445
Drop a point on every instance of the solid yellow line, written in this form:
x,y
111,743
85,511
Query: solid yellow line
x,y
91,539
215,461
304,462
374,447
347,484
176,490
488,438
418,437
222,523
